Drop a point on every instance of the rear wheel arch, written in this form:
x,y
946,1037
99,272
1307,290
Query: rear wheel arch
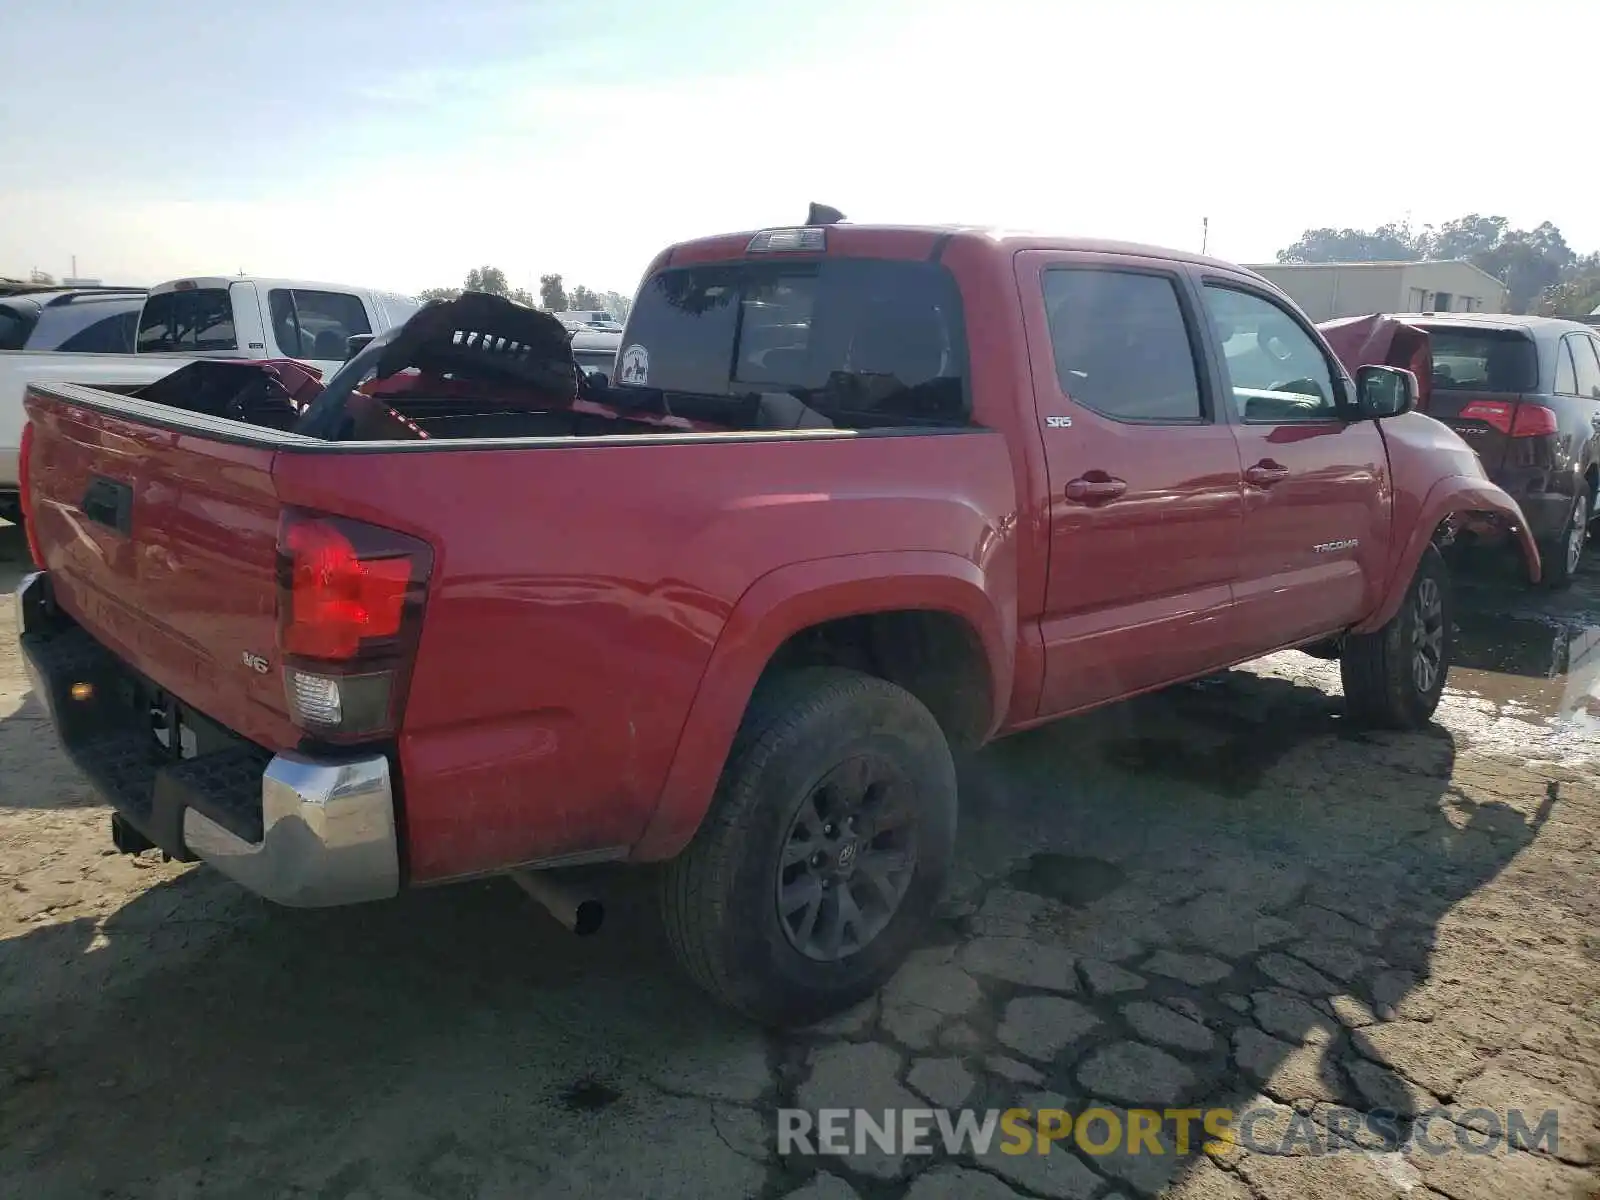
x,y
925,621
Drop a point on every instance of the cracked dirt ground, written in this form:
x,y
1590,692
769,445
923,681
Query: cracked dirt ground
x,y
1220,895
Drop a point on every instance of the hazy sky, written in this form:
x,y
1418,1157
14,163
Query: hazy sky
x,y
399,143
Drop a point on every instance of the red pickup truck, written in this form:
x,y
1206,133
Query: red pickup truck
x,y
858,498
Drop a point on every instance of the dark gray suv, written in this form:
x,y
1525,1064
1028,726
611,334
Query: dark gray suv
x,y
1524,392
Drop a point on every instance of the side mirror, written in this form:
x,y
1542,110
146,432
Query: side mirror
x,y
1384,392
355,344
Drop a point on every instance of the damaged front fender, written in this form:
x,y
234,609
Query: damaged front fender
x,y
1451,500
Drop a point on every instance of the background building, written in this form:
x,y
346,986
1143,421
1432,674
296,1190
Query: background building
x,y
1354,289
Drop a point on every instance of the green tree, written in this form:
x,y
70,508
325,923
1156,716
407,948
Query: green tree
x,y
551,294
1578,293
617,305
582,298
1466,237
488,279
1387,243
427,294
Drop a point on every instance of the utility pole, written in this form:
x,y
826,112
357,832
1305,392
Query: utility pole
x,y
74,266
1205,233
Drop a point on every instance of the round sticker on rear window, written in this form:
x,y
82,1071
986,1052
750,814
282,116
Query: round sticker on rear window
x,y
635,365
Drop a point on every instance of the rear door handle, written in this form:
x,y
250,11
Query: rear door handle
x,y
1266,473
1095,491
109,503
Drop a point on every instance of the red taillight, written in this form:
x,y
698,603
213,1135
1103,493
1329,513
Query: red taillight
x,y
349,606
30,528
337,600
1533,420
1511,418
1494,413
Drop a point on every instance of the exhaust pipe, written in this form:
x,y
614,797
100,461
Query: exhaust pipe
x,y
580,913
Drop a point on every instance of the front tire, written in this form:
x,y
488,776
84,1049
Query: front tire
x,y
1393,677
824,852
1561,557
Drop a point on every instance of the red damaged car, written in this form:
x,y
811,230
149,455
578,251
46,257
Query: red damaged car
x,y
858,497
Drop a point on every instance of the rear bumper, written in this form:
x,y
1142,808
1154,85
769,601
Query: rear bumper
x,y
303,831
1545,497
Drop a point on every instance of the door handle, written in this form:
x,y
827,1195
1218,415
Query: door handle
x,y
1095,491
1266,473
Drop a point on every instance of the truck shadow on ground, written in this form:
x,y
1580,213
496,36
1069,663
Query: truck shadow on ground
x,y
1257,869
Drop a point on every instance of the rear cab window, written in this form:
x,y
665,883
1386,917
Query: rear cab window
x,y
1497,361
194,321
844,343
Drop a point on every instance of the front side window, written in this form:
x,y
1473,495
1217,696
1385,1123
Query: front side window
x,y
193,321
1277,372
847,342
316,325
1121,344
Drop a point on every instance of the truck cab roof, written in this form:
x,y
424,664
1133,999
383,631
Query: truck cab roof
x,y
913,241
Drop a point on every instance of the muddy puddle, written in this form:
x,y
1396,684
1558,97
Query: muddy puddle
x,y
1535,668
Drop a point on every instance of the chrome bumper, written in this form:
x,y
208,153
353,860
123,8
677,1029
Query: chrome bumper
x,y
328,834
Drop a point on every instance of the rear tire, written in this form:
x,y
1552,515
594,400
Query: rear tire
x,y
808,741
1559,559
1393,677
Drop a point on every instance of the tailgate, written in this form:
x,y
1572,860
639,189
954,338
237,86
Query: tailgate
x,y
1483,419
162,544
1480,374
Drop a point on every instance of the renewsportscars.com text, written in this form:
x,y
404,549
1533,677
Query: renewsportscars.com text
x,y
840,1132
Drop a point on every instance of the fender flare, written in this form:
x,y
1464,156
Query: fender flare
x,y
1453,493
782,603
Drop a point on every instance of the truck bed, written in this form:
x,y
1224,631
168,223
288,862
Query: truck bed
x,y
579,585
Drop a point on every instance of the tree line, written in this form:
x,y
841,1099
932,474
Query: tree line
x,y
553,293
1541,272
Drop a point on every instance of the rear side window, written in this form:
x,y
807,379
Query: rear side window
x,y
193,321
1566,370
1483,360
93,328
310,324
1587,366
1121,344
16,322
847,342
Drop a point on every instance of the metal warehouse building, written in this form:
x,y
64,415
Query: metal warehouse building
x,y
1329,290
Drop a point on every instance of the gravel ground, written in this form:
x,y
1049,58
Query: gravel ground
x,y
1220,896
